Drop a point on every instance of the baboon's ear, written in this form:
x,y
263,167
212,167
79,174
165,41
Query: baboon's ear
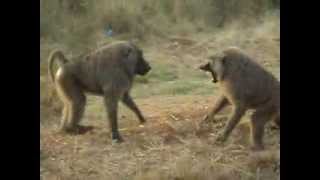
x,y
129,59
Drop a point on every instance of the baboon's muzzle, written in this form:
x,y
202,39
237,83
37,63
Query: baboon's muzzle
x,y
143,69
148,68
206,67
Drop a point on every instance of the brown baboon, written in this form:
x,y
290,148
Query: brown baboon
x,y
245,85
107,72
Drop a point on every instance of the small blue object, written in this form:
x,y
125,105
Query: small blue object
x,y
109,31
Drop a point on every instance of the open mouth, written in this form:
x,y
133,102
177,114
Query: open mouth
x,y
214,77
207,68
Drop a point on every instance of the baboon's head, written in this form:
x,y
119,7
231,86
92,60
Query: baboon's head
x,y
215,66
134,60
142,66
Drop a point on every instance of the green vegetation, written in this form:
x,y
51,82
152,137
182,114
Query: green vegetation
x,y
79,24
176,36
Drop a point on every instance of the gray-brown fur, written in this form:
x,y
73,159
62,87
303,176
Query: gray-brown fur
x,y
245,85
108,72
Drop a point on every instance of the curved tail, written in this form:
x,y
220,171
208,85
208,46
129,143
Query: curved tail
x,y
56,54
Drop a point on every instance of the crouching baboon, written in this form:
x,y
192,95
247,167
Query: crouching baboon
x,y
245,85
107,72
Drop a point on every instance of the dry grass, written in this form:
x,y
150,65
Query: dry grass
x,y
169,146
174,98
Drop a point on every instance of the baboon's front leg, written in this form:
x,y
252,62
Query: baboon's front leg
x,y
233,120
128,101
111,103
221,102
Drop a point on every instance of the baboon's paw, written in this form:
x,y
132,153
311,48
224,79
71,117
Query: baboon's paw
x,y
142,122
83,129
64,131
204,122
220,140
256,148
205,119
60,132
77,130
117,141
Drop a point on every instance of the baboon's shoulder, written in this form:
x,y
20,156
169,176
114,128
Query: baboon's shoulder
x,y
234,51
116,45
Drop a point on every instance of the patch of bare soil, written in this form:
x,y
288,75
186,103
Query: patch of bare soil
x,y
164,147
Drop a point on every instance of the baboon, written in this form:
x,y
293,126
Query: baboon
x,y
245,85
108,72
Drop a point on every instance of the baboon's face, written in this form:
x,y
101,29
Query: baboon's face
x,y
215,66
142,66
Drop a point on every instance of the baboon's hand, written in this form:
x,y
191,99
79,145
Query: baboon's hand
x,y
220,139
205,122
142,121
117,139
206,119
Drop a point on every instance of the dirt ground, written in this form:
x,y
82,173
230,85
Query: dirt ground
x,y
171,145
170,140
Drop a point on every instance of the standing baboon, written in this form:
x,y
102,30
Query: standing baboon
x,y
107,72
245,85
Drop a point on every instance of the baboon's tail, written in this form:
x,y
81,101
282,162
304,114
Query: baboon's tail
x,y
56,54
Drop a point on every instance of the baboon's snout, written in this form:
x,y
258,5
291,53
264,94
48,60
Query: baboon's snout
x,y
204,67
148,68
145,68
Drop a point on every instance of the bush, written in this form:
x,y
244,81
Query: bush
x,y
79,21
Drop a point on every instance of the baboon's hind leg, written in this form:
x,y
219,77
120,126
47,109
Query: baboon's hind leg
x,y
128,101
74,103
78,103
258,120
